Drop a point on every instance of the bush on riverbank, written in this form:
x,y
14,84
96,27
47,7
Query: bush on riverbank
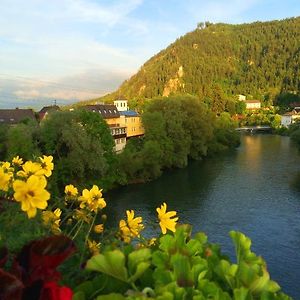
x,y
120,263
177,129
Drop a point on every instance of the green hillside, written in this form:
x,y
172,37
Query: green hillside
x,y
216,61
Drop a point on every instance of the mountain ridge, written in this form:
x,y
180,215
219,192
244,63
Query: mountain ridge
x,y
260,60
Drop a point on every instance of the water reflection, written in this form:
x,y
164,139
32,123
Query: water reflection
x,y
254,189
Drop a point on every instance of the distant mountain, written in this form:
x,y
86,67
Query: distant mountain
x,y
260,59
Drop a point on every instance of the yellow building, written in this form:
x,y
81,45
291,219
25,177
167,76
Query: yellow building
x,y
133,123
113,119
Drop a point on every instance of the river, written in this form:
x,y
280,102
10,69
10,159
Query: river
x,y
254,189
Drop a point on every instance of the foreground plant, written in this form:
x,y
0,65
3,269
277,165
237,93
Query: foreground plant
x,y
33,274
179,266
121,263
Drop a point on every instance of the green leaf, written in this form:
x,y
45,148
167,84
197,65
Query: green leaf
x,y
160,259
111,263
79,296
242,248
201,237
227,271
194,247
166,242
141,268
182,270
242,294
162,276
112,296
136,257
86,288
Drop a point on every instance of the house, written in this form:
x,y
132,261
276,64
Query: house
x,y
241,97
121,105
132,120
289,118
111,115
46,110
15,116
253,104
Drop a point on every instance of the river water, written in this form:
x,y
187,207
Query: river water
x,y
254,189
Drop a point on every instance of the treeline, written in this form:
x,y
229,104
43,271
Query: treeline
x,y
219,61
176,129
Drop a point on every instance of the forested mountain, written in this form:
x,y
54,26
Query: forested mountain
x,y
218,61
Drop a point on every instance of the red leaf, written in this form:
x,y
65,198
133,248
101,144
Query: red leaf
x,y
10,287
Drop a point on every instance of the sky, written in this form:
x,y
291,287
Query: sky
x,y
70,50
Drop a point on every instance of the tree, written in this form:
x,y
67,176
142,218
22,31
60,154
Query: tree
x,y
22,140
82,147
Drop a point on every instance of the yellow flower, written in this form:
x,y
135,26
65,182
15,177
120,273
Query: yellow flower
x,y
31,168
152,242
4,179
132,227
165,218
47,165
32,194
99,228
92,199
81,215
71,190
93,246
52,219
6,166
18,161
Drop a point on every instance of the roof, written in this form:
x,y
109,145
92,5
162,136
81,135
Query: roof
x,y
49,108
129,113
291,113
14,116
107,111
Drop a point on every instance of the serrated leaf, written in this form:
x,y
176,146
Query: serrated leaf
x,y
194,247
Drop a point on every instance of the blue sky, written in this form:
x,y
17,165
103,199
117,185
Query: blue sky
x,y
81,49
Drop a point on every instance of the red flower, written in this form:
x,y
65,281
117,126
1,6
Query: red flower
x,y
52,291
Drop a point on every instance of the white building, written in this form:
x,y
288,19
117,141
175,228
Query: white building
x,y
289,118
253,104
121,105
242,97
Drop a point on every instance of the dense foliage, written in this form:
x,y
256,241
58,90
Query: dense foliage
x,y
176,129
218,61
79,141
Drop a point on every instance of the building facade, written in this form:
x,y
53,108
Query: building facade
x,y
132,120
111,115
289,118
253,104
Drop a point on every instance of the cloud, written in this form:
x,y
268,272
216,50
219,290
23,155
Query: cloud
x,y
32,92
